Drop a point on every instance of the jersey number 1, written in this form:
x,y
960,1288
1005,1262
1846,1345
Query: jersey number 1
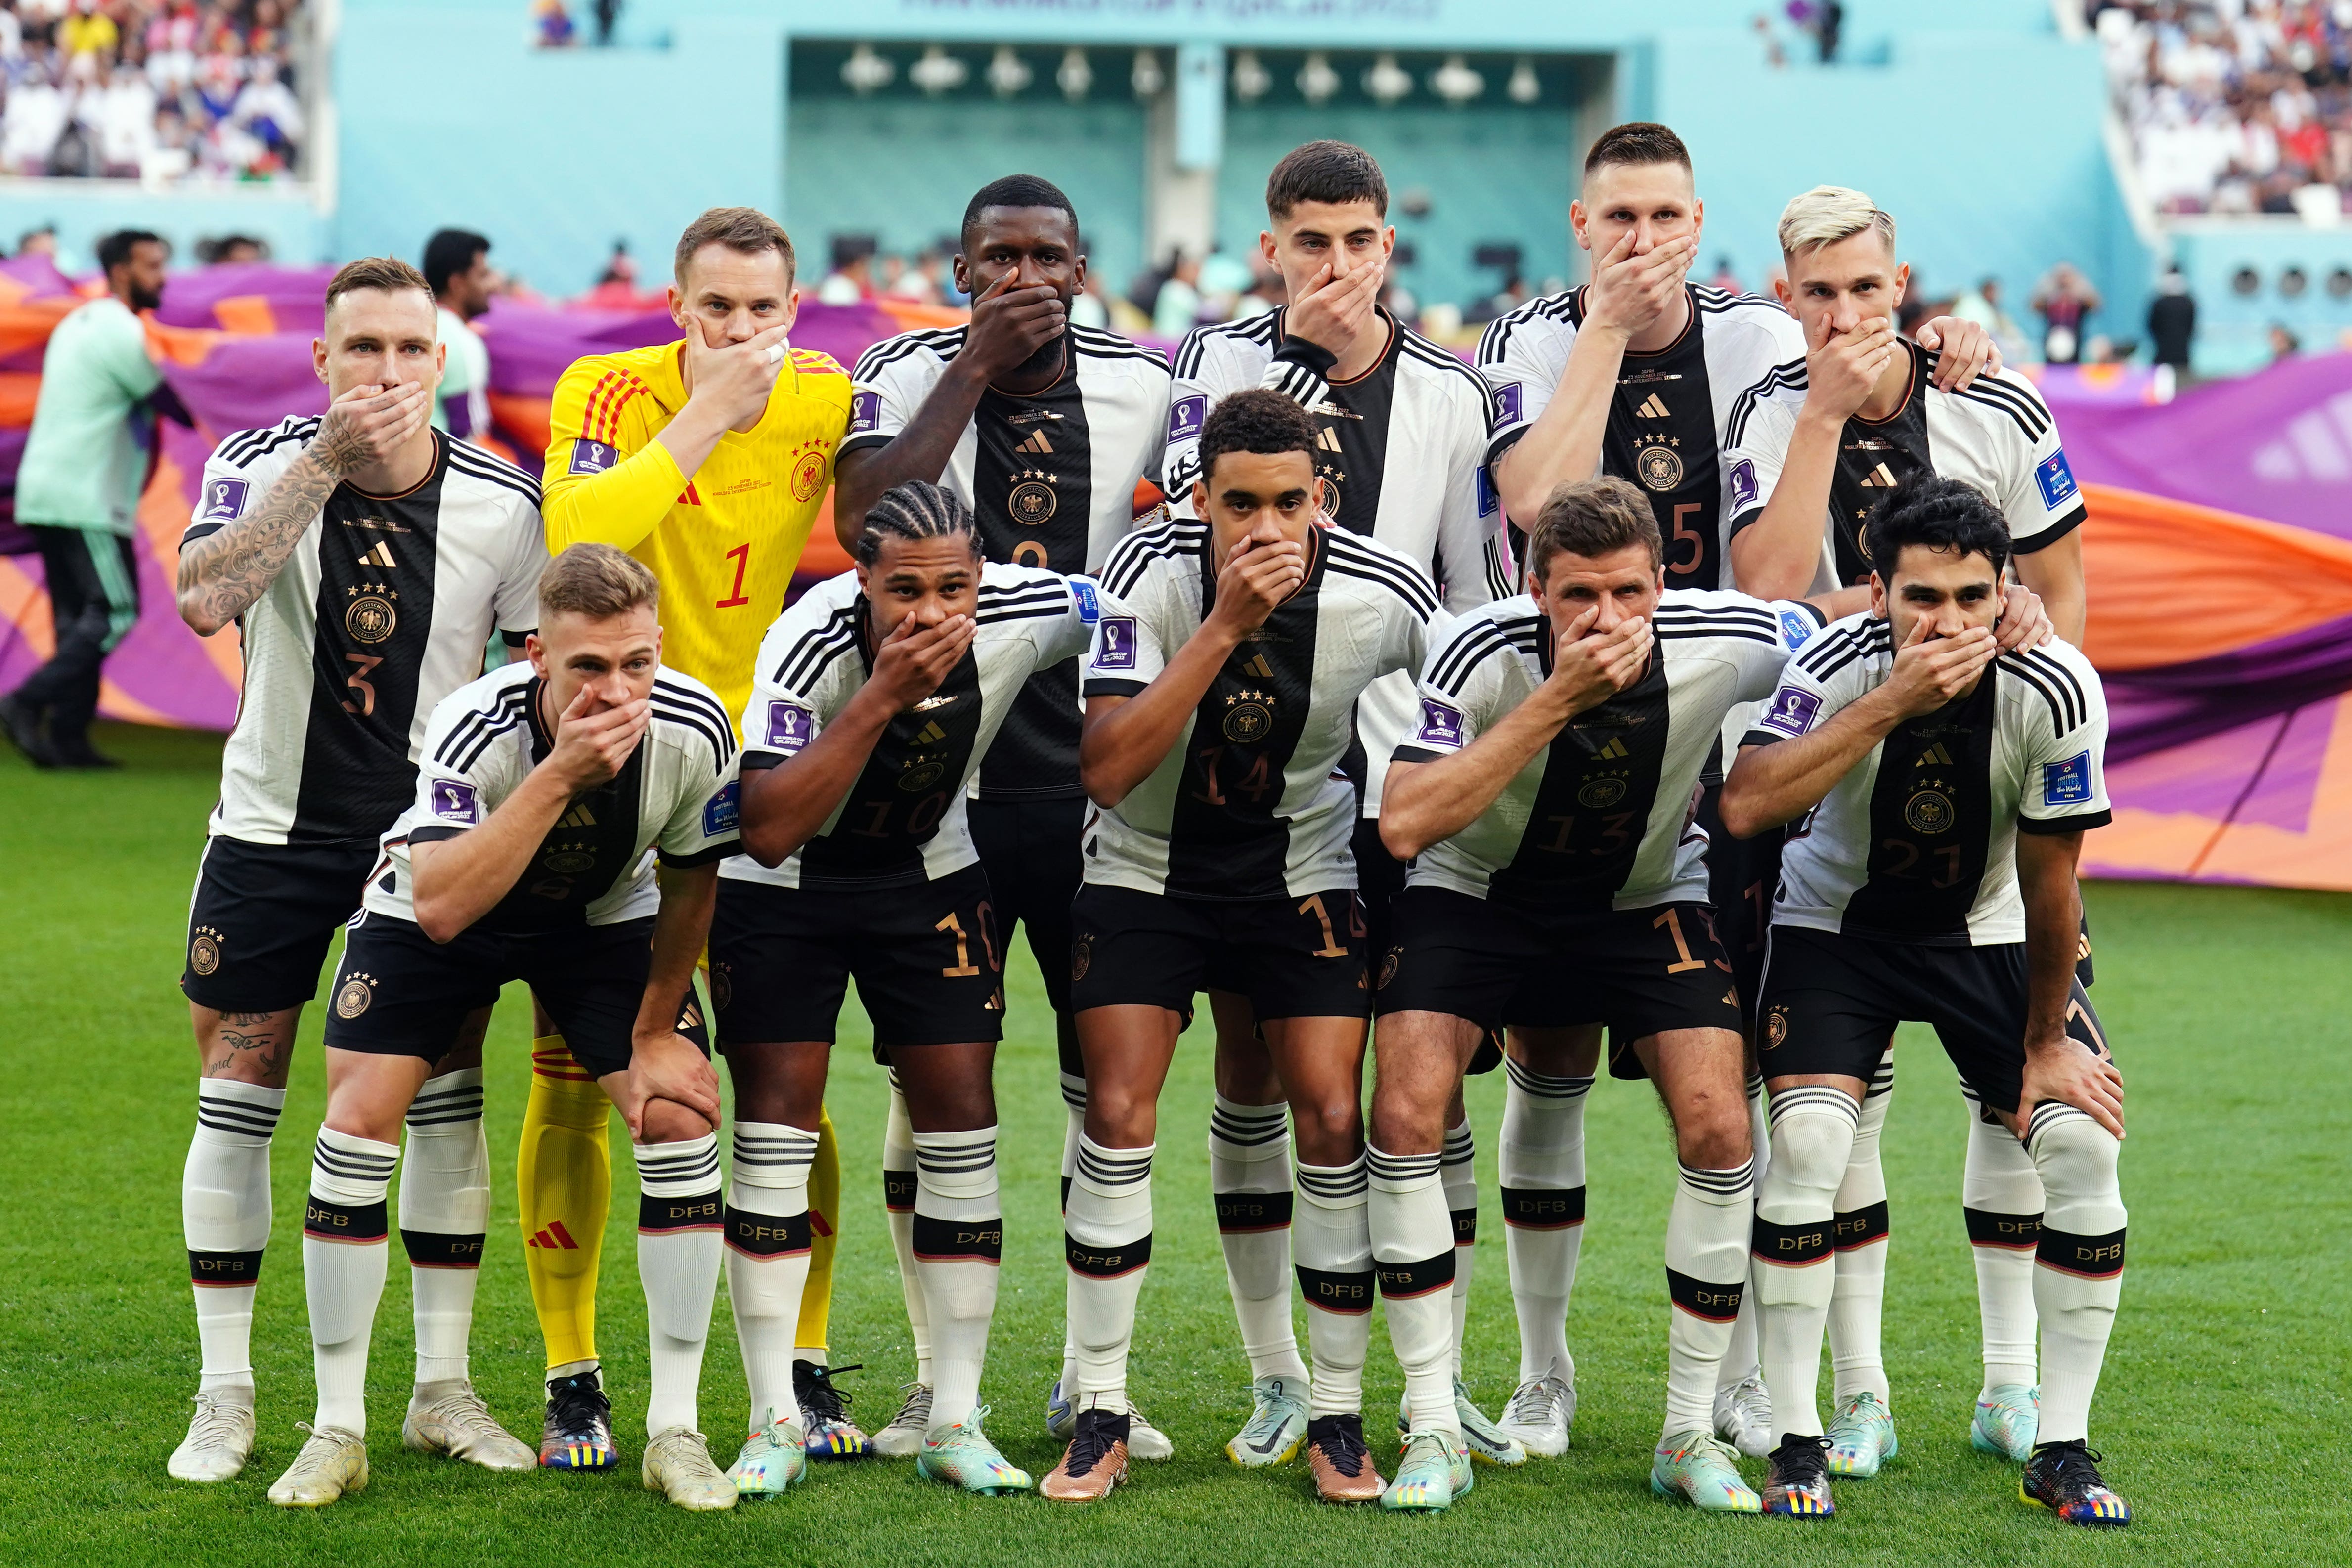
x,y
741,556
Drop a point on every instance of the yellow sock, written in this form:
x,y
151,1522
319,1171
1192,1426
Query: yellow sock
x,y
824,1220
564,1177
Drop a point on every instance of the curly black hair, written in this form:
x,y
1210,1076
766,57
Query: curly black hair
x,y
1943,514
916,509
1259,420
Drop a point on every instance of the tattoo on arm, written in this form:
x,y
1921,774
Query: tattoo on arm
x,y
223,573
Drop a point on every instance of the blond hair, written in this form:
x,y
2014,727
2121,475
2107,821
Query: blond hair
x,y
748,231
1827,214
596,581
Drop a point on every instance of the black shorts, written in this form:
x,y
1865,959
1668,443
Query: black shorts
x,y
1830,1002
263,918
1292,958
926,957
1030,850
1379,878
1742,876
400,993
1641,972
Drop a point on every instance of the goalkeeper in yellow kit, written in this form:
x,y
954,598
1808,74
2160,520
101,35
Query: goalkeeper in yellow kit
x,y
708,459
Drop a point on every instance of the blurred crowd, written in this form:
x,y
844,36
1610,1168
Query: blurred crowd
x,y
154,90
2235,106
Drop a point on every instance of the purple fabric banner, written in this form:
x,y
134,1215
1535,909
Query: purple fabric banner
x,y
296,295
2173,704
2274,445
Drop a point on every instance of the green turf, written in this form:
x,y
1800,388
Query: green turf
x,y
2223,1413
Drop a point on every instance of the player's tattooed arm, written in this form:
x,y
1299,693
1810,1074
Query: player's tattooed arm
x,y
223,573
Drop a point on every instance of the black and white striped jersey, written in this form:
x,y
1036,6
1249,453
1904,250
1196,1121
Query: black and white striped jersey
x,y
1053,480
1997,436
904,819
1667,425
673,801
1918,843
1249,803
1601,815
1402,452
382,610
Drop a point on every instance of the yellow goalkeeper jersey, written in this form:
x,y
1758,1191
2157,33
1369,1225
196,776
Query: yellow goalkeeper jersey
x,y
724,544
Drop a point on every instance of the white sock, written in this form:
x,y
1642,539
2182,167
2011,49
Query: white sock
x,y
1859,1232
1706,1274
959,1245
225,1214
1107,1241
1074,1128
2078,1275
1741,1359
768,1257
1332,1237
1413,1252
680,1224
1249,1180
1541,1168
2000,1197
1458,1173
1812,1135
898,1200
445,1212
343,1247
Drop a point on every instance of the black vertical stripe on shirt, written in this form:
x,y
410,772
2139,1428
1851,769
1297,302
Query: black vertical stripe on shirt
x,y
1930,823
1592,809
372,624
1224,838
1661,435
908,783
591,845
1873,456
1033,490
1352,440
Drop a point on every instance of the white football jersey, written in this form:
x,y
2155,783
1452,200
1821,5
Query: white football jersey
x,y
673,800
1402,452
1918,843
1603,815
1997,436
903,821
1249,804
1667,423
382,610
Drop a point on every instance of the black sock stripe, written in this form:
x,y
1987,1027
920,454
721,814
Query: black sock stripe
x,y
332,1221
1403,1281
1348,1294
223,1267
1705,1298
697,1211
1106,1262
1789,1243
2016,1232
766,1235
1543,1208
1242,1214
1466,1227
441,1249
1859,1227
944,1240
2086,1257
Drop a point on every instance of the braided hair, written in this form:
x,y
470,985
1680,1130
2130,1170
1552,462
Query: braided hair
x,y
916,509
1943,514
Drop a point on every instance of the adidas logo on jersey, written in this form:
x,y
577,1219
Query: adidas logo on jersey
x,y
1880,478
1036,443
1652,407
578,816
1934,756
380,557
1327,440
1258,667
931,734
1615,748
554,1237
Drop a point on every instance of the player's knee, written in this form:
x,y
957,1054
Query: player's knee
x,y
1813,1136
666,1121
1327,1133
1117,1117
2077,1160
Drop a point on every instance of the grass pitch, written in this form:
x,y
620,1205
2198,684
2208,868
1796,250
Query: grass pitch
x,y
2222,1414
